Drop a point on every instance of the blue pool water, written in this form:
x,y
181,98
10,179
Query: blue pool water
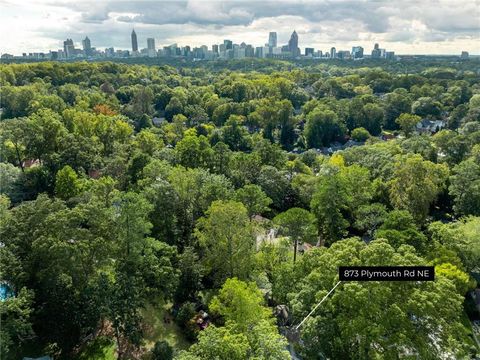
x,y
5,292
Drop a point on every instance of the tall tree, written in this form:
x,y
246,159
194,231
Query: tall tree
x,y
299,225
254,199
465,187
416,185
407,123
225,234
323,127
67,184
375,319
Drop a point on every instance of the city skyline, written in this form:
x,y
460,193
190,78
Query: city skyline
x,y
435,27
226,50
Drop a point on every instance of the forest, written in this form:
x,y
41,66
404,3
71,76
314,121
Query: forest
x,y
201,212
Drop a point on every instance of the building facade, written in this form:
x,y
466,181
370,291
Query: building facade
x,y
134,42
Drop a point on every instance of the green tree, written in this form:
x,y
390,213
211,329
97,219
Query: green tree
x,y
162,351
253,198
356,312
193,150
396,103
416,185
399,228
465,188
276,185
142,102
44,131
9,181
454,147
195,190
338,194
360,134
426,106
52,102
373,118
234,133
217,343
323,127
299,225
190,280
67,184
407,123
329,202
225,233
369,217
241,305
422,145
244,168
270,154
16,326
14,141
144,269
462,238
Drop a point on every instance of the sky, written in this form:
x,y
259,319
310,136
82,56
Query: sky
x,y
404,26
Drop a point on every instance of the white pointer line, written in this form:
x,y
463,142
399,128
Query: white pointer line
x,y
315,308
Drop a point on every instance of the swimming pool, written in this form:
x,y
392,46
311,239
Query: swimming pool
x,y
5,291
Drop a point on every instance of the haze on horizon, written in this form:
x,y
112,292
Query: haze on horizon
x,y
406,27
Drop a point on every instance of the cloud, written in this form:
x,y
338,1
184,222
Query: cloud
x,y
401,25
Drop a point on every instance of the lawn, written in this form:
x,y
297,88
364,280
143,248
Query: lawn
x,y
102,348
156,329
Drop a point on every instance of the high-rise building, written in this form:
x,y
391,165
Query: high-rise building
x,y
293,44
238,52
69,48
309,51
151,52
151,44
87,46
343,54
333,53
272,39
110,52
464,55
357,52
267,51
215,49
376,52
134,41
390,55
228,44
259,52
249,51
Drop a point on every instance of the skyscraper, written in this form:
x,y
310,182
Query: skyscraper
x,y
228,44
151,44
151,47
272,39
293,44
68,48
357,52
376,52
87,46
134,41
333,53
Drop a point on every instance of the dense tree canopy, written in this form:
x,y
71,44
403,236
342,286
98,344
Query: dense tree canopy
x,y
157,209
